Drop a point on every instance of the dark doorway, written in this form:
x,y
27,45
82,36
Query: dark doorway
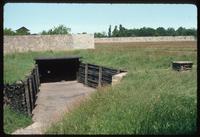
x,y
57,69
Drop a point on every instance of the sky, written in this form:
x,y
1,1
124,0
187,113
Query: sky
x,y
92,18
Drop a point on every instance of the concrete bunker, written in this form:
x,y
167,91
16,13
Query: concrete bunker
x,y
53,69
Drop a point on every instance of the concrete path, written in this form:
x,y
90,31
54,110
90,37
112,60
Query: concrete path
x,y
53,100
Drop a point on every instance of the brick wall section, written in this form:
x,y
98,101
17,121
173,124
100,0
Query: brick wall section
x,y
48,42
144,39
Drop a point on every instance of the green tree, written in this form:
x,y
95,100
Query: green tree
x,y
170,32
122,31
8,31
44,32
61,29
146,31
181,31
191,32
115,32
109,31
100,35
160,31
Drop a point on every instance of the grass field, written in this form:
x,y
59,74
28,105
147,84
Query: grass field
x,y
151,99
14,120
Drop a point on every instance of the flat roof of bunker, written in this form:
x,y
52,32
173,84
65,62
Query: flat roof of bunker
x,y
57,58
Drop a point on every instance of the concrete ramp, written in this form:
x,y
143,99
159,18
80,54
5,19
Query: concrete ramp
x,y
52,101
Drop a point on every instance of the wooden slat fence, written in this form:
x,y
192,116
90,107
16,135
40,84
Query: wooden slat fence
x,y
21,96
94,75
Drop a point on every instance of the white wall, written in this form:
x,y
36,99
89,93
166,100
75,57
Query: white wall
x,y
48,42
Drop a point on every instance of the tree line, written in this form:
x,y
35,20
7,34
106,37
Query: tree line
x,y
9,31
120,31
61,29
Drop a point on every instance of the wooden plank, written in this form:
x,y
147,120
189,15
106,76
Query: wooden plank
x,y
109,69
91,84
93,76
36,80
107,75
82,65
110,72
100,76
38,75
82,75
94,81
86,75
34,87
82,72
95,73
93,66
31,92
27,97
107,80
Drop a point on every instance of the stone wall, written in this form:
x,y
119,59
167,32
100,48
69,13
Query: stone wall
x,y
48,42
144,39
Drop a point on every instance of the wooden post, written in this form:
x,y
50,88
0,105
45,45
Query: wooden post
x,y
28,105
38,75
77,76
36,79
33,86
31,92
86,73
100,76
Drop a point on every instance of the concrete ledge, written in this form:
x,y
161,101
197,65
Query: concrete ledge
x,y
35,128
118,77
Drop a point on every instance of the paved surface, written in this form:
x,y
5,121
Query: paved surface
x,y
53,100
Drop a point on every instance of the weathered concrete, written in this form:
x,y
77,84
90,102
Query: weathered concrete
x,y
26,43
54,99
144,39
117,78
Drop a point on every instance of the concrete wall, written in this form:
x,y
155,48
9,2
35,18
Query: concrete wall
x,y
144,39
48,42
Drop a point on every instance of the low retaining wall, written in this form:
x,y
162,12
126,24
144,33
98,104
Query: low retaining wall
x,y
96,76
48,42
21,96
144,39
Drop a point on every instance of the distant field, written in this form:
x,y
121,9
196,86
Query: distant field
x,y
151,99
169,45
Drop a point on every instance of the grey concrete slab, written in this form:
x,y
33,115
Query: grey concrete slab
x,y
53,100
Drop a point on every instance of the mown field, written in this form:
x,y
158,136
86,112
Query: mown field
x,y
151,99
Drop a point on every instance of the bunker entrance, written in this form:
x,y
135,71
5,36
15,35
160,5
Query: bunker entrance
x,y
57,69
